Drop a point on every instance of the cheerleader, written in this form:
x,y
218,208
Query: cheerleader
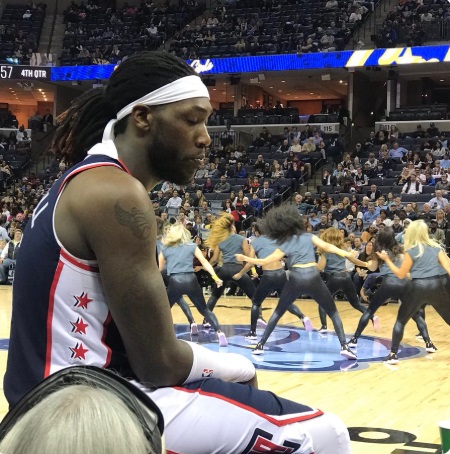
x,y
179,252
337,278
184,306
273,278
224,240
286,226
425,261
391,287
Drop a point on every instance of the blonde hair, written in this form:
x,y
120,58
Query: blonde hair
x,y
78,419
176,234
416,235
333,236
221,229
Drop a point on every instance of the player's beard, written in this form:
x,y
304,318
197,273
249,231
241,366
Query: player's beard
x,y
168,162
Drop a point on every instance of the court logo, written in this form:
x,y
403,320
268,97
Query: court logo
x,y
291,349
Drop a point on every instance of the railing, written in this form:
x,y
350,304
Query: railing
x,y
379,10
436,30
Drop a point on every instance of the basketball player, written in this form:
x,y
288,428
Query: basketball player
x,y
178,253
88,290
273,278
286,226
425,260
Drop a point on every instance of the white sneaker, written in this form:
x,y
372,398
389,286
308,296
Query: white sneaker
x,y
194,329
261,323
222,339
307,324
376,323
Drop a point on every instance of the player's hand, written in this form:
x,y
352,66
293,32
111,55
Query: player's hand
x,y
240,257
237,276
219,283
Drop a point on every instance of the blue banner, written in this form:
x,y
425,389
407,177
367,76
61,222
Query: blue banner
x,y
286,62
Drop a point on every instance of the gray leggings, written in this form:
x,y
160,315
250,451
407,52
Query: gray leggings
x,y
271,280
394,288
187,284
432,291
341,281
226,273
305,281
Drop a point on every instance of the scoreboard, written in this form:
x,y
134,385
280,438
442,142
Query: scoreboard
x,y
12,72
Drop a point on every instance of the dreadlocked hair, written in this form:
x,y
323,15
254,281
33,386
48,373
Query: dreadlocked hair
x,y
81,126
282,223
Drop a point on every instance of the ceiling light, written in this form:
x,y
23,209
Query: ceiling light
x,y
311,93
283,81
442,80
214,89
340,81
270,87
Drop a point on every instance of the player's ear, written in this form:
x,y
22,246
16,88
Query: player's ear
x,y
142,117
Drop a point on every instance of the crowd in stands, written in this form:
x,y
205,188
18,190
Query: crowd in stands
x,y
390,180
97,35
413,22
255,27
20,31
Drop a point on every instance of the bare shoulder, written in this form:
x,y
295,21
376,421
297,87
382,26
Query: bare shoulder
x,y
100,203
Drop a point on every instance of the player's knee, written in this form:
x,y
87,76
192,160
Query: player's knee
x,y
330,435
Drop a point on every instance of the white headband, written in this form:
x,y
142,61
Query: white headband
x,y
185,88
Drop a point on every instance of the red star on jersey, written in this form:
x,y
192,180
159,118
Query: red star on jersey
x,y
82,301
79,352
79,326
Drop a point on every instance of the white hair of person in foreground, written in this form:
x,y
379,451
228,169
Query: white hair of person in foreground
x,y
79,419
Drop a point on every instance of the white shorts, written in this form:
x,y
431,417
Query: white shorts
x,y
217,417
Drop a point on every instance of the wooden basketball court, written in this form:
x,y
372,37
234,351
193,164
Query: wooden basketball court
x,y
390,409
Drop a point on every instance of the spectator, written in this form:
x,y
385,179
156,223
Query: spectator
x,y
371,214
433,131
35,122
223,186
256,204
374,193
397,152
266,194
303,207
438,201
413,185
328,179
174,201
443,184
47,120
323,224
8,255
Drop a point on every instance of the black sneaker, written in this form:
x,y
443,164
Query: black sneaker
x,y
430,347
347,353
258,350
206,325
419,337
323,329
251,335
391,359
353,342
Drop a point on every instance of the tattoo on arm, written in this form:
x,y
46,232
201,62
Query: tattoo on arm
x,y
137,221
